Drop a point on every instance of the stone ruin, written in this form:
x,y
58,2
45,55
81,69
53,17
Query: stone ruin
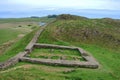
x,y
89,62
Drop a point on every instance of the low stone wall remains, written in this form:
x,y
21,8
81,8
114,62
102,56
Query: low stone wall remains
x,y
89,63
37,45
13,60
69,63
29,47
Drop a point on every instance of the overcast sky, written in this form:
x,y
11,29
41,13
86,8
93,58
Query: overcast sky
x,y
32,5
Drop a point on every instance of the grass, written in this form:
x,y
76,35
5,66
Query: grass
x,y
47,37
109,62
56,54
86,31
68,34
11,20
39,72
11,28
109,68
8,34
95,36
11,32
17,47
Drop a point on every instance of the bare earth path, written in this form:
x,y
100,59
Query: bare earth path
x,y
11,69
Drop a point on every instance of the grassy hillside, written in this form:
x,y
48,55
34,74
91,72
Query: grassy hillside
x,y
102,32
98,36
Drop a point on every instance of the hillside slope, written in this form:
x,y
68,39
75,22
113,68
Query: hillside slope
x,y
98,36
103,32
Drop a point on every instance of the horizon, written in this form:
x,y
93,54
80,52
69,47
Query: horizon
x,y
86,8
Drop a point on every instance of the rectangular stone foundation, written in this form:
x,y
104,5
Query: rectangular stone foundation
x,y
89,62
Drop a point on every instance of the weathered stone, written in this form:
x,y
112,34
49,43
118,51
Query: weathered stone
x,y
60,62
13,60
28,49
37,45
34,40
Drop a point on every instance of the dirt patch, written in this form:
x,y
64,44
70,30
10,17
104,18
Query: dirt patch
x,y
11,69
8,70
21,35
48,68
53,69
26,66
5,46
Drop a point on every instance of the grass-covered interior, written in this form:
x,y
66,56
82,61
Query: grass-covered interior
x,y
50,53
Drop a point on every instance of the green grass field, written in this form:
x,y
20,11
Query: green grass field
x,y
13,20
8,34
12,33
100,37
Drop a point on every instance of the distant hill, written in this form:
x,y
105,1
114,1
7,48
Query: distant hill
x,y
69,17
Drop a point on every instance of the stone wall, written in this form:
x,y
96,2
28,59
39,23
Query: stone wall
x,y
89,62
70,63
37,45
29,47
12,60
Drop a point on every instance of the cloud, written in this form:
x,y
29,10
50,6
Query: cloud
x,y
51,9
30,7
80,4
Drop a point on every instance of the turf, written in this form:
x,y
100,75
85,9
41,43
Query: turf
x,y
56,54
